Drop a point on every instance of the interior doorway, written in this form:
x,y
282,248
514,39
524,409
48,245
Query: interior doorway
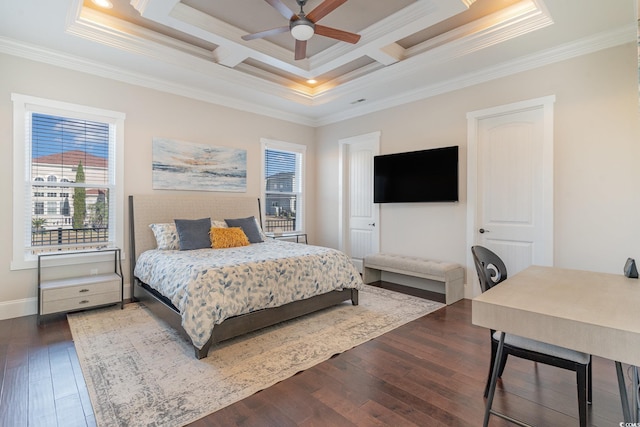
x,y
359,216
510,183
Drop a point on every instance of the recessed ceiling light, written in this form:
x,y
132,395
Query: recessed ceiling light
x,y
106,4
312,81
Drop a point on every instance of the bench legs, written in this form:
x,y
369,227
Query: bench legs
x,y
370,275
453,289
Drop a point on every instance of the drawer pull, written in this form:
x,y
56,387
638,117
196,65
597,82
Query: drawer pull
x,y
84,301
83,290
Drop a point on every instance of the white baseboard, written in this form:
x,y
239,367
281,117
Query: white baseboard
x,y
29,306
18,308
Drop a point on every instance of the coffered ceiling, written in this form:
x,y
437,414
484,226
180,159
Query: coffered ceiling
x,y
408,48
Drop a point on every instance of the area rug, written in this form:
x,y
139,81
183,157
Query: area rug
x,y
140,372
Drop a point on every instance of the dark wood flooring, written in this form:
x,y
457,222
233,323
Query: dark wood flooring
x,y
429,372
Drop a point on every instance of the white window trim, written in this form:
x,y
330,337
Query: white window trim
x,y
22,104
285,146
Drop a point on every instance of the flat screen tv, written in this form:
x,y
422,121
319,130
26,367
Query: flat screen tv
x,y
416,176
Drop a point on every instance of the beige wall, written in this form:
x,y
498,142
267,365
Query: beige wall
x,y
149,113
597,150
597,135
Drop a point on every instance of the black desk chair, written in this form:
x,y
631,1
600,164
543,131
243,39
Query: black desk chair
x,y
491,271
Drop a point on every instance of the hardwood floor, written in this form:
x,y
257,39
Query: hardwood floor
x,y
429,372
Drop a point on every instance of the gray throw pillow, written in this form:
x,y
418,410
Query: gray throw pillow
x,y
193,233
249,226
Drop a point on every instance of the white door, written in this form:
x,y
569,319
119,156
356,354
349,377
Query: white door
x,y
514,183
360,215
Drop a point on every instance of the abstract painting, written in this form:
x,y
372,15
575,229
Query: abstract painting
x,y
180,165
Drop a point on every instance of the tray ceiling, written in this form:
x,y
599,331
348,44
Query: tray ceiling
x,y
196,47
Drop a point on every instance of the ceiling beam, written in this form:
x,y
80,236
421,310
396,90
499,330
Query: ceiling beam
x,y
387,55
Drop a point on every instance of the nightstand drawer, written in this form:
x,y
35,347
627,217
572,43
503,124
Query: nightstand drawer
x,y
93,285
79,303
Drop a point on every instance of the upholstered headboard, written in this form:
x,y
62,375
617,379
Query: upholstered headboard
x,y
147,209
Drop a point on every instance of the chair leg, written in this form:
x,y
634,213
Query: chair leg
x,y
503,363
494,349
492,388
589,383
582,379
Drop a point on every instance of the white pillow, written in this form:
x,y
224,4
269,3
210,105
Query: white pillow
x,y
262,235
166,236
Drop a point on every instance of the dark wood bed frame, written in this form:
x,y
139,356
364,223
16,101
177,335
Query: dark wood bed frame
x,y
156,209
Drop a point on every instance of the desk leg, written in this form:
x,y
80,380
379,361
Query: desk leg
x,y
626,413
494,379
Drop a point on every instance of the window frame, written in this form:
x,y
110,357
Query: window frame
x,y
24,105
270,144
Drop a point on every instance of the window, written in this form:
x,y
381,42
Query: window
x,y
283,201
52,208
78,149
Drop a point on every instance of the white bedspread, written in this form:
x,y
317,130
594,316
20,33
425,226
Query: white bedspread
x,y
211,285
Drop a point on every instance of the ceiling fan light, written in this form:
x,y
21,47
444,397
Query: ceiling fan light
x,y
301,31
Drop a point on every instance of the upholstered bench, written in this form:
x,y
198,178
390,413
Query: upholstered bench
x,y
451,274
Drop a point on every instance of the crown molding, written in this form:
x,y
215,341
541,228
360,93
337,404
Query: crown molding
x,y
131,38
75,63
521,18
524,16
471,38
584,46
563,52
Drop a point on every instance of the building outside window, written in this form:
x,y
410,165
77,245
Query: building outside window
x,y
283,186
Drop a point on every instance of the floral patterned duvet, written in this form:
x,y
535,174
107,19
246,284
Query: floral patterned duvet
x,y
211,285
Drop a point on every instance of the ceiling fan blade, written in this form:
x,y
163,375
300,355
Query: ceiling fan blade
x,y
266,33
325,8
301,49
282,8
334,33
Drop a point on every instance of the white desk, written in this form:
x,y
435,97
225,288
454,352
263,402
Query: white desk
x,y
596,313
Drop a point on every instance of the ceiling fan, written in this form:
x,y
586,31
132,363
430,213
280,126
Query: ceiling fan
x,y
303,27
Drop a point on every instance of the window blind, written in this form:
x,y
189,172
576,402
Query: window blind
x,y
71,175
59,144
283,170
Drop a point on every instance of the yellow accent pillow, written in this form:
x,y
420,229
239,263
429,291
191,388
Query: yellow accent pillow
x,y
228,237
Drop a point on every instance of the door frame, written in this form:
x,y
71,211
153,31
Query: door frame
x,y
343,219
473,118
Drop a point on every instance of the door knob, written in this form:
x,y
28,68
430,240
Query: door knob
x,y
373,224
482,231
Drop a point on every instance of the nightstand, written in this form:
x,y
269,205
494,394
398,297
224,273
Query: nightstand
x,y
289,235
83,292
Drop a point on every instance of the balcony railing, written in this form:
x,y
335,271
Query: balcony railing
x,y
69,236
279,224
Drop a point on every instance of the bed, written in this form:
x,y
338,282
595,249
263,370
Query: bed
x,y
211,295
